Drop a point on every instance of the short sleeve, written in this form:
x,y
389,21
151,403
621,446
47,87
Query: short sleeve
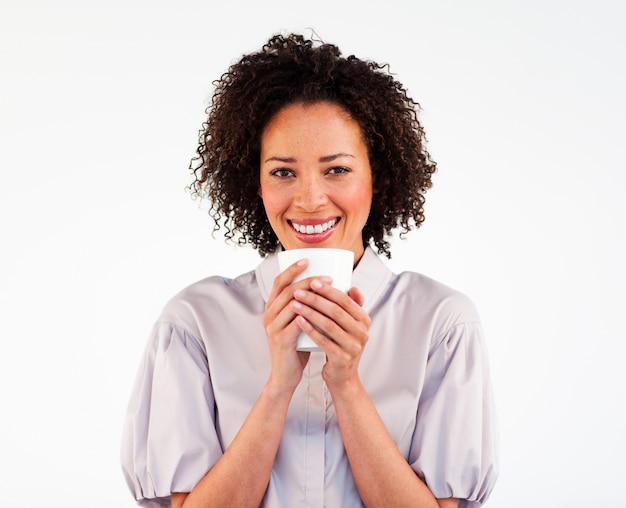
x,y
169,439
454,447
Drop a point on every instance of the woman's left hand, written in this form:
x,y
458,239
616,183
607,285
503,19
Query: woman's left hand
x,y
338,325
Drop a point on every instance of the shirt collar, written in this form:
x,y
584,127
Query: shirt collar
x,y
371,276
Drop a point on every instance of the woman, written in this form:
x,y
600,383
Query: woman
x,y
305,148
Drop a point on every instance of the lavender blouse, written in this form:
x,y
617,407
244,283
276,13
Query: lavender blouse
x,y
206,362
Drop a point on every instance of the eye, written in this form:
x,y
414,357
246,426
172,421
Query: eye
x,y
282,172
338,170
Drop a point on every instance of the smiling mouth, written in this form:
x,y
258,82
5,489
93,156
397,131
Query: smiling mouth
x,y
316,229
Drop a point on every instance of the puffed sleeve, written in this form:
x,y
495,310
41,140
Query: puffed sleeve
x,y
169,439
454,447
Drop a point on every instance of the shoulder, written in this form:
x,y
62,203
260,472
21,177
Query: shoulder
x,y
435,295
409,292
430,305
209,297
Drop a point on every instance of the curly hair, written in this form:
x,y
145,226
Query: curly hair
x,y
291,69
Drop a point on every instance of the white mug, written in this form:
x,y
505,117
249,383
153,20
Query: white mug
x,y
336,263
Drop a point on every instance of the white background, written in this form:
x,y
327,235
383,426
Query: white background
x,y
524,106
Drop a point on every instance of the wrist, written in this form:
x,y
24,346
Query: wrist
x,y
277,391
345,389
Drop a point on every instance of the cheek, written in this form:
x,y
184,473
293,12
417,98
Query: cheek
x,y
358,202
272,200
361,195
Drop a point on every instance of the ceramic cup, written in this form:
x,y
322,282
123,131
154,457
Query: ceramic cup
x,y
336,263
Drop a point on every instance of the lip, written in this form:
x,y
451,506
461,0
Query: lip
x,y
315,237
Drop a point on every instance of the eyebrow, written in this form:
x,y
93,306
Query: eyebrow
x,y
326,158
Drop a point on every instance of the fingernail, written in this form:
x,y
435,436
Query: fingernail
x,y
316,284
302,262
299,293
326,278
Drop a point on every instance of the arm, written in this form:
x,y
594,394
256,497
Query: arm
x,y
258,437
374,456
241,476
382,475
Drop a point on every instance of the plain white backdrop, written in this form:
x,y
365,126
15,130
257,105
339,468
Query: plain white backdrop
x,y
524,108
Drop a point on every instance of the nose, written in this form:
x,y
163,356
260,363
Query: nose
x,y
310,194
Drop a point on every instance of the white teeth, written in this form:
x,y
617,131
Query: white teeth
x,y
318,228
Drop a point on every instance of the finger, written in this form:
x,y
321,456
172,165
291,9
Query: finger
x,y
282,299
334,308
339,346
345,301
325,343
316,309
286,277
357,296
331,320
280,323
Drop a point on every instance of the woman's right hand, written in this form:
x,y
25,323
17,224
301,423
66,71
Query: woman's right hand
x,y
282,330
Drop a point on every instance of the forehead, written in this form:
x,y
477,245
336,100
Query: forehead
x,y
303,122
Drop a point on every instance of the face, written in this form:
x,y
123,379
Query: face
x,y
316,180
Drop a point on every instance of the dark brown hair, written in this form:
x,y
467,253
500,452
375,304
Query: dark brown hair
x,y
290,69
